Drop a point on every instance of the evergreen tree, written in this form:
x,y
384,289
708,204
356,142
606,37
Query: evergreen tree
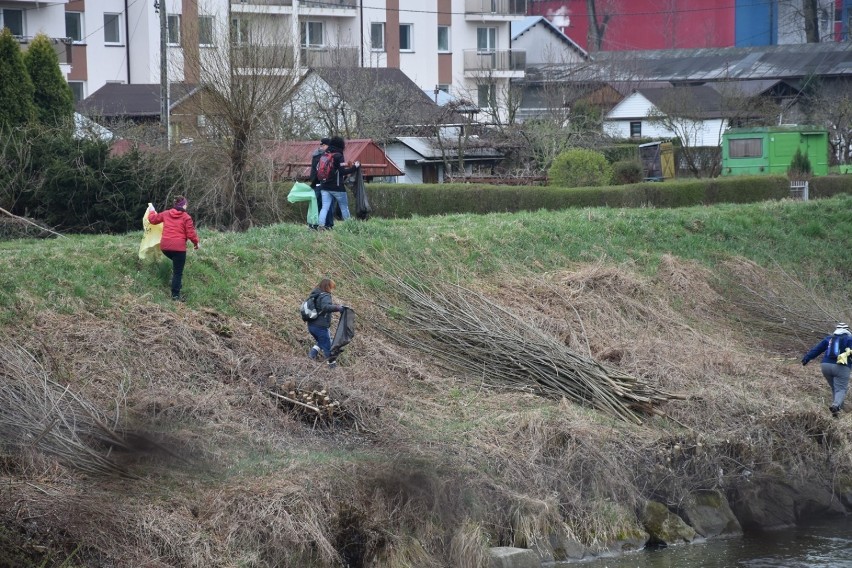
x,y
16,88
54,102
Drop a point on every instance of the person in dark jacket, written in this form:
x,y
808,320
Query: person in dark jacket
x,y
177,229
332,189
835,364
314,183
319,328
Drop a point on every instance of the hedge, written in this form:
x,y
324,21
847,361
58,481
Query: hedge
x,y
407,200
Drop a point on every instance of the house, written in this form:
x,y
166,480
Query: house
x,y
696,115
140,105
769,150
292,159
434,160
378,102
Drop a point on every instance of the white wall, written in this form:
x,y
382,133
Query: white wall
x,y
403,156
703,133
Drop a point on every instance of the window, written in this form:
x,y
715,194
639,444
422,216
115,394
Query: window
x,y
312,34
486,39
12,19
239,31
636,129
443,39
377,36
443,87
486,96
406,42
76,90
74,26
745,148
205,30
112,28
173,25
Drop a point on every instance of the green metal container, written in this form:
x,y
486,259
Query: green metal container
x,y
770,149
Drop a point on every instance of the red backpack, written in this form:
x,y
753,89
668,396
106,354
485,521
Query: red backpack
x,y
325,166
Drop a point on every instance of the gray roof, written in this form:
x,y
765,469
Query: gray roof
x,y
434,149
732,63
703,101
115,100
520,27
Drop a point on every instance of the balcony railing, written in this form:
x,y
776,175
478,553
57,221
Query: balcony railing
x,y
61,45
329,57
496,7
303,4
262,56
495,60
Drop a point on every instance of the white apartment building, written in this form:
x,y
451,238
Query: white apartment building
x,y
462,47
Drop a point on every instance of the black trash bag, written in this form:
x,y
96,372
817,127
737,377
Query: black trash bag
x,y
362,204
344,334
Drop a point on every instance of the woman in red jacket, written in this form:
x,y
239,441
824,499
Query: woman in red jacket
x,y
177,229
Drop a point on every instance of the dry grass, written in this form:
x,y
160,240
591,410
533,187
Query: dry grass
x,y
441,464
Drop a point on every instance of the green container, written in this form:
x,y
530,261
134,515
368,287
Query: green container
x,y
770,149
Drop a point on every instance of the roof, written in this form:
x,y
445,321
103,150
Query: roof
x,y
443,98
434,149
292,158
368,88
715,64
520,27
697,102
115,100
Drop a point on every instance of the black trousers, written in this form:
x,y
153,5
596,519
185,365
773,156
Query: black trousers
x,y
178,261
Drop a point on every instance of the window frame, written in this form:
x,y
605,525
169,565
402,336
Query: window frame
x,y
490,97
171,32
490,39
82,90
409,36
449,47
240,31
4,24
381,27
210,21
80,20
741,148
116,17
635,129
305,35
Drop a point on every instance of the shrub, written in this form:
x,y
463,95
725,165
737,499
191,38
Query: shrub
x,y
800,165
579,167
627,171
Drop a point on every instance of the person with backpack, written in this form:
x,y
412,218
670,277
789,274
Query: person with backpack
x,y
331,171
314,183
321,302
835,364
177,229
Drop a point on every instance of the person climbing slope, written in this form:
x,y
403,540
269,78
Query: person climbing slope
x,y
177,229
835,364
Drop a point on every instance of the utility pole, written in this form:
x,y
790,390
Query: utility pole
x,y
164,69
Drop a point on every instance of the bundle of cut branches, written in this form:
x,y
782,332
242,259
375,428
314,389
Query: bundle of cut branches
x,y
37,413
466,332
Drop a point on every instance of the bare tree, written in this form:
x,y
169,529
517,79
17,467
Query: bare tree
x,y
247,72
599,13
831,106
807,21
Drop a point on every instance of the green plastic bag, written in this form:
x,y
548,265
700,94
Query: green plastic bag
x,y
304,192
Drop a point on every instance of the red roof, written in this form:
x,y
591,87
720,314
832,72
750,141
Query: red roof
x,y
292,159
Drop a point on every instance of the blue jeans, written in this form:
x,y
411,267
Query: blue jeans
x,y
322,337
838,379
340,197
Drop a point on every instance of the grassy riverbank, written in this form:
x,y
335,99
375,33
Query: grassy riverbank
x,y
426,465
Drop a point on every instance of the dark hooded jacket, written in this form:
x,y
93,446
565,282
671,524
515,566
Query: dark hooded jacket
x,y
338,172
325,306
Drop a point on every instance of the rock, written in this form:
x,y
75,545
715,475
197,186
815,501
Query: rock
x,y
630,542
510,557
664,527
772,504
709,513
558,547
816,502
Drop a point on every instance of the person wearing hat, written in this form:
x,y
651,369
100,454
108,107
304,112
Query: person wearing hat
x,y
835,364
177,229
314,182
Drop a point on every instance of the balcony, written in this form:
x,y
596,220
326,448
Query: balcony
x,y
262,56
494,10
498,63
61,45
307,7
329,57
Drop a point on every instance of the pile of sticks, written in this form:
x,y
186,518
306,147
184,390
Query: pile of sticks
x,y
468,333
309,404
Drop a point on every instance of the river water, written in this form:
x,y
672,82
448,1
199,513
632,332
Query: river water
x,y
826,544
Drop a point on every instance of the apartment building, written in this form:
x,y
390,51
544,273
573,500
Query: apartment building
x,y
462,47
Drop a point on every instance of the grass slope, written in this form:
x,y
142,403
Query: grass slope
x,y
429,466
